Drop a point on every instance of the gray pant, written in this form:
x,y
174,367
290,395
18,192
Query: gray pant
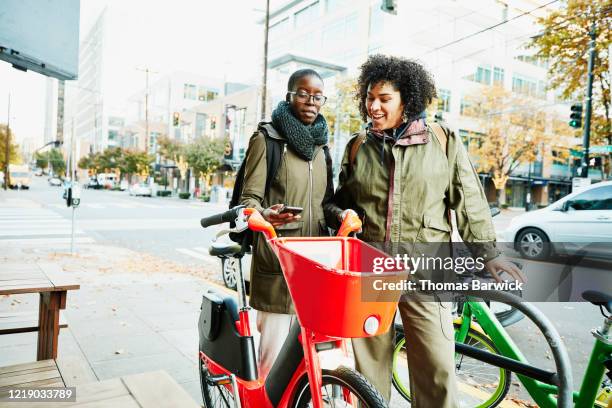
x,y
430,346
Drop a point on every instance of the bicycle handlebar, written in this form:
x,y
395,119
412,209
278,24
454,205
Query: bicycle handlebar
x,y
221,218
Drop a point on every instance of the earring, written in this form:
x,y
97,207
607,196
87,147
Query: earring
x,y
404,117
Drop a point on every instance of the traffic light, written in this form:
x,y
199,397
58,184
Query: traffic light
x,y
176,119
389,6
576,116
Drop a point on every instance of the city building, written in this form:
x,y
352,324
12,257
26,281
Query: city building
x,y
169,105
440,34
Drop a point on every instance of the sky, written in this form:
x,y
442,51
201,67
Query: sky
x,y
218,39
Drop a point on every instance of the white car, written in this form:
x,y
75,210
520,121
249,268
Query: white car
x,y
579,223
55,181
141,189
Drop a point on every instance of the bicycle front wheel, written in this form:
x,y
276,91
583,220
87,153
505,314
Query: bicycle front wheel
x,y
479,384
341,387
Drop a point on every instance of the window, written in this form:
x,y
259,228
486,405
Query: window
x,y
466,107
189,92
595,199
211,95
201,93
307,15
332,5
498,76
483,75
444,100
524,85
113,135
334,36
279,29
200,124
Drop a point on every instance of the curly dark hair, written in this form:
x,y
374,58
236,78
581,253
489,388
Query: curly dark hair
x,y
411,79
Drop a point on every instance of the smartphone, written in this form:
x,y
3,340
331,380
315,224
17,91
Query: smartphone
x,y
293,210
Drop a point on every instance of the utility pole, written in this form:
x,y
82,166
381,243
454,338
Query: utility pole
x,y
264,85
147,71
586,133
8,144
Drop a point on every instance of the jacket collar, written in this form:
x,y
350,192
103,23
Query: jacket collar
x,y
414,134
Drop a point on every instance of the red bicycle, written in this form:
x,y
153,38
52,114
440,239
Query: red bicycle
x,y
325,277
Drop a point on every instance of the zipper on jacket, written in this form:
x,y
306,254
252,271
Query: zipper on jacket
x,y
310,198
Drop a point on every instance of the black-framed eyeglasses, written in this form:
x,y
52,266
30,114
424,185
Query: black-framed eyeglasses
x,y
306,97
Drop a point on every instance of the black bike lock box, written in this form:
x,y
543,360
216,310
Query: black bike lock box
x,y
210,316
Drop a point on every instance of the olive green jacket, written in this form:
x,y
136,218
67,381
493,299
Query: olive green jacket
x,y
404,199
297,183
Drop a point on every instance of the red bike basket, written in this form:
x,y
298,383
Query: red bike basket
x,y
328,279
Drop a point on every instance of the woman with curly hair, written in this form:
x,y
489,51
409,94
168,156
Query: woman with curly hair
x,y
402,175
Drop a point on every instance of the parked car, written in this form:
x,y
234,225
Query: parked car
x,y
54,181
140,189
19,176
38,172
93,183
579,223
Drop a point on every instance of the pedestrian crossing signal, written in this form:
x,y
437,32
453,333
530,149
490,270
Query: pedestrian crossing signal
x,y
576,116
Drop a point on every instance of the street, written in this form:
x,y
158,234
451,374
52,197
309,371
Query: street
x,y
168,229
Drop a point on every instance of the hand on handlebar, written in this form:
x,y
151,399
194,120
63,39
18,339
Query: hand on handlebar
x,y
500,264
273,216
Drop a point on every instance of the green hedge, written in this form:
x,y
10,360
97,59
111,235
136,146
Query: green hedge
x,y
164,193
184,195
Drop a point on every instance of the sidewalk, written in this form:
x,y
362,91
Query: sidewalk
x,y
133,313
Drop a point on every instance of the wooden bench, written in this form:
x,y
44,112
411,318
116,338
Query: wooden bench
x,y
23,322
43,373
52,290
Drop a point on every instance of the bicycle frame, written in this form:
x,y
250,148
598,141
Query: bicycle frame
x,y
253,393
543,393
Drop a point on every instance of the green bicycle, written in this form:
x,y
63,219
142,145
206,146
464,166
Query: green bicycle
x,y
486,356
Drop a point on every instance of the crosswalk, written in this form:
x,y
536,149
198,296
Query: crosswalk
x,y
37,226
127,205
200,253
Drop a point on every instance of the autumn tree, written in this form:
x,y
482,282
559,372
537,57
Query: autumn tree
x,y
564,44
13,153
341,110
135,162
204,156
511,131
168,148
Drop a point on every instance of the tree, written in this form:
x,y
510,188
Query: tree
x,y
168,148
13,153
135,162
564,44
91,162
204,155
56,159
511,131
341,110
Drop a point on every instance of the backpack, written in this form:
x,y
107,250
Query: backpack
x,y
274,155
274,152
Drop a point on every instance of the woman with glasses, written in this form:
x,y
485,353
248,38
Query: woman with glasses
x,y
303,179
402,179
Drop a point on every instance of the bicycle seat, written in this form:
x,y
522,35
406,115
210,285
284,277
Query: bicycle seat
x,y
598,299
224,248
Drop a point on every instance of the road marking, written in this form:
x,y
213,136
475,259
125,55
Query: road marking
x,y
198,255
47,241
46,231
97,206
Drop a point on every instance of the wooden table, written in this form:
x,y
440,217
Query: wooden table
x,y
151,389
52,288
